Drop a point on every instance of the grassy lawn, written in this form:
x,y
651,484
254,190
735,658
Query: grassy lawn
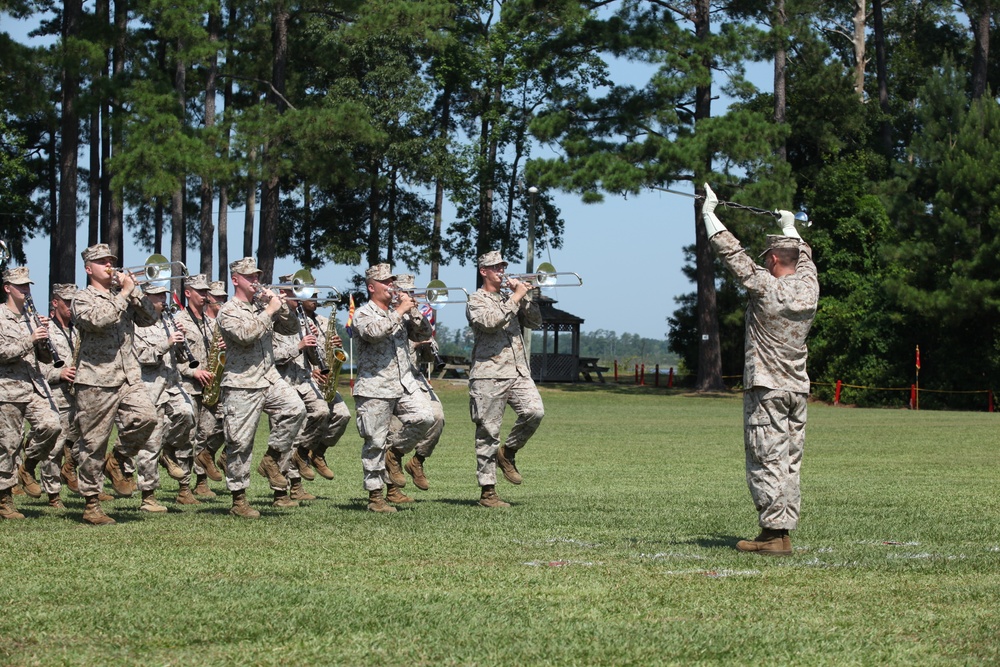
x,y
618,550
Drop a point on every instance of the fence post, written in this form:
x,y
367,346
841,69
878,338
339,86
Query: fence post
x,y
642,375
990,393
656,382
836,397
670,378
637,374
616,371
913,397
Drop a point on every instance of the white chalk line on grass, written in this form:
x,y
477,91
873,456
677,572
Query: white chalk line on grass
x,y
559,540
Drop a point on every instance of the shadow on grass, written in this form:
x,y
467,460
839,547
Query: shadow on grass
x,y
459,502
714,541
635,390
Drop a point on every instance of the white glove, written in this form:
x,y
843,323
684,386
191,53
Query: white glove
x,y
787,222
712,223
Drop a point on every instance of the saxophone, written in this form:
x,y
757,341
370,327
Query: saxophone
x,y
216,364
335,358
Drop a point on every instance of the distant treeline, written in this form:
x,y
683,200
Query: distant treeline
x,y
606,346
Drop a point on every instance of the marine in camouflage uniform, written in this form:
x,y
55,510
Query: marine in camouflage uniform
x,y
156,349
23,393
421,354
501,374
251,385
208,436
109,387
386,386
298,359
782,299
59,466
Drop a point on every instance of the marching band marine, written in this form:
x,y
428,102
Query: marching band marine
x,y
386,385
217,295
314,457
23,393
109,388
420,354
781,304
155,348
199,328
59,466
251,385
501,374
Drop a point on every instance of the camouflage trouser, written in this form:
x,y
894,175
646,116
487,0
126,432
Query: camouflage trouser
x,y
97,410
208,432
425,446
374,415
241,409
175,420
44,424
488,398
325,423
48,471
775,432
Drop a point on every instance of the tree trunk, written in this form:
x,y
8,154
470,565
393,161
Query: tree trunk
x,y
250,214
374,220
435,249
227,100
207,228
859,48
780,66
94,177
979,20
882,79
116,223
270,192
178,231
63,266
709,350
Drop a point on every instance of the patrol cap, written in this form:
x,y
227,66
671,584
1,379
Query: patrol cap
x,y
197,281
65,291
96,252
379,272
217,288
404,281
245,267
491,258
17,275
776,241
157,287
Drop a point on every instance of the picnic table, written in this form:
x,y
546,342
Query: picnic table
x,y
458,366
589,365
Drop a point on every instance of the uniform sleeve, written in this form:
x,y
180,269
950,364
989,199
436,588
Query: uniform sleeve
x,y
419,329
143,311
91,313
755,278
286,322
150,346
243,327
286,348
371,328
486,314
14,344
531,314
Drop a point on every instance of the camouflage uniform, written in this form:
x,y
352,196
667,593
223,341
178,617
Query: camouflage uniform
x,y
325,422
108,383
23,396
779,315
251,385
64,342
501,376
425,446
386,386
208,432
174,407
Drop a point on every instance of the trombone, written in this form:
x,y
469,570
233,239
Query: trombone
x,y
546,276
156,269
436,294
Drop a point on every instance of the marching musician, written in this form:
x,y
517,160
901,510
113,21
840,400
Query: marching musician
x,y
501,373
108,383
217,295
312,456
155,348
24,394
199,328
386,385
421,353
251,385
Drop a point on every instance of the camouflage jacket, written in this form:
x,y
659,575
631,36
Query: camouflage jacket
x,y
198,334
779,315
157,362
383,358
293,364
498,350
64,340
106,322
20,375
249,336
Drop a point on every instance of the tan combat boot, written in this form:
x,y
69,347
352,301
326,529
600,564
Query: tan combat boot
x,y
204,459
318,460
168,459
7,507
505,459
201,488
489,498
185,497
376,503
241,507
300,459
55,502
770,542
68,471
394,495
150,504
94,514
298,492
281,499
268,467
393,459
415,468
26,478
220,464
113,470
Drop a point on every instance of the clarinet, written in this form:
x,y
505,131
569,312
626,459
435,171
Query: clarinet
x,y
182,348
30,313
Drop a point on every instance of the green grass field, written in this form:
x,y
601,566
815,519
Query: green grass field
x,y
618,550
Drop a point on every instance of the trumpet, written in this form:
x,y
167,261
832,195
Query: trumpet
x,y
182,348
31,313
156,269
546,276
